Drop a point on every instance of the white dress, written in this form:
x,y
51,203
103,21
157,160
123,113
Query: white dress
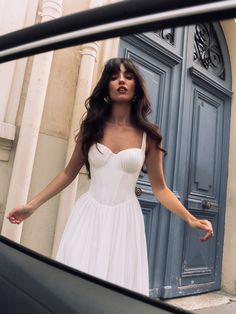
x,y
105,234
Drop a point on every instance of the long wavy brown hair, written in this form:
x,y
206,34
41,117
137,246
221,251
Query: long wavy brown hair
x,y
98,110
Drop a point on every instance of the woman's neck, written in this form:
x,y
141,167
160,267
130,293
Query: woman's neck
x,y
120,114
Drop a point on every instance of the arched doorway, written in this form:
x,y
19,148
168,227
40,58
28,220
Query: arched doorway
x,y
188,76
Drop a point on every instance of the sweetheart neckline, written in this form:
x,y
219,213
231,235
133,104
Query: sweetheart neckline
x,y
123,150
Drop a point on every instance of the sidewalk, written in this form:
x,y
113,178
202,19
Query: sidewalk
x,y
209,303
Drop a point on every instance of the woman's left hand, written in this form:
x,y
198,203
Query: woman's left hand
x,y
203,225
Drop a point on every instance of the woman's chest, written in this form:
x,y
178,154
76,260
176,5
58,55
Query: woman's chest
x,y
129,160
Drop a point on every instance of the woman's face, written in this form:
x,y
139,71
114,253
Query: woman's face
x,y
122,86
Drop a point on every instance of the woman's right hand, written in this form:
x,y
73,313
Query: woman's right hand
x,y
20,213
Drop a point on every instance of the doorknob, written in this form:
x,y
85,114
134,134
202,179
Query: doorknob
x,y
138,191
206,204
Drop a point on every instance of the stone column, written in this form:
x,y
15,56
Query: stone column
x,y
30,126
12,73
110,49
110,46
85,79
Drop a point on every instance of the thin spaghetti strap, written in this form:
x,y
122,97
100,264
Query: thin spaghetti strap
x,y
144,141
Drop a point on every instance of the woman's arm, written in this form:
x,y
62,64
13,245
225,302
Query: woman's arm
x,y
61,181
165,195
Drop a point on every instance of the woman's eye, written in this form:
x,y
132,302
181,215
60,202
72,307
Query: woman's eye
x,y
129,76
113,77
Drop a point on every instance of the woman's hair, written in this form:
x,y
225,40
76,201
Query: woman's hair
x,y
99,109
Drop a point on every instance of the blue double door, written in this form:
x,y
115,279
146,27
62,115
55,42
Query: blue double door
x,y
191,104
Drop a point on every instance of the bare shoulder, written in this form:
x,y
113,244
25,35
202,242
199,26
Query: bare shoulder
x,y
151,146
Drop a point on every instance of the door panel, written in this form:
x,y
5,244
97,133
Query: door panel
x,y
198,264
206,144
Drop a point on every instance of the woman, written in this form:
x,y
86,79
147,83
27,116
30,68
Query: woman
x,y
105,234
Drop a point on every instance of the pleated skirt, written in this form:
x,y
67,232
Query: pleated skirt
x,y
107,242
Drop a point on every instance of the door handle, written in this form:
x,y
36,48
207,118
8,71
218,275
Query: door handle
x,y
138,191
206,204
